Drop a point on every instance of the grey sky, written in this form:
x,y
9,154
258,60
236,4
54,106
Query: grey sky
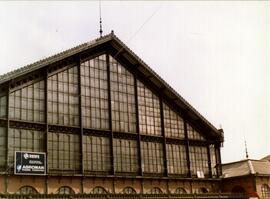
x,y
214,54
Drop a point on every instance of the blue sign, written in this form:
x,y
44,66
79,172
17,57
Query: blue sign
x,y
30,163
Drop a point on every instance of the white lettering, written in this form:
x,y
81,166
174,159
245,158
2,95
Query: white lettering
x,y
32,168
35,162
33,156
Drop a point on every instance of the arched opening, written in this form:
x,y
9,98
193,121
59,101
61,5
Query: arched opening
x,y
27,190
129,190
202,190
238,189
99,190
265,191
65,190
156,190
180,190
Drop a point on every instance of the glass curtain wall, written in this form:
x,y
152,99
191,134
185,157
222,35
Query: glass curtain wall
x,y
213,160
24,140
198,160
125,155
176,159
3,147
123,98
3,105
63,152
63,99
152,157
28,103
94,93
193,134
96,153
173,123
149,111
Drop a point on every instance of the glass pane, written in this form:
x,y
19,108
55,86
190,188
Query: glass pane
x,y
152,157
149,111
27,100
96,153
123,95
173,123
63,105
24,140
125,155
95,93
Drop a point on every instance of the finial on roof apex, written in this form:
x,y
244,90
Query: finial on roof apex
x,y
246,149
100,20
112,32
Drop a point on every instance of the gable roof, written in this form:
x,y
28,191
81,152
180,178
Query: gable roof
x,y
246,167
123,51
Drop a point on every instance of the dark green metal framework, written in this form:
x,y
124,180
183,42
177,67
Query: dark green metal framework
x,y
111,45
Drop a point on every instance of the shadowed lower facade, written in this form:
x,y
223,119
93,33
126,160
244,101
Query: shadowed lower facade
x,y
107,124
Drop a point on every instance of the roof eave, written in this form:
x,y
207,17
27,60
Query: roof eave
x,y
178,98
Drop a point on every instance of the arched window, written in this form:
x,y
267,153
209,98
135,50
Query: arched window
x,y
238,189
99,190
265,191
202,190
65,190
27,190
156,190
180,190
129,190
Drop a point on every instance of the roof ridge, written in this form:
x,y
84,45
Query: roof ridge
x,y
238,161
250,166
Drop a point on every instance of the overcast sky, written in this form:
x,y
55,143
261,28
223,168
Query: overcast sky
x,y
214,54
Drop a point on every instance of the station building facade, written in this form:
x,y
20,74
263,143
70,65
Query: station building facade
x,y
107,123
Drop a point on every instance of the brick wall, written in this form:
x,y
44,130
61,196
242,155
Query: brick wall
x,y
111,185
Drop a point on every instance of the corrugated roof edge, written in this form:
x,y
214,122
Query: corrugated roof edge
x,y
245,160
51,59
56,57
